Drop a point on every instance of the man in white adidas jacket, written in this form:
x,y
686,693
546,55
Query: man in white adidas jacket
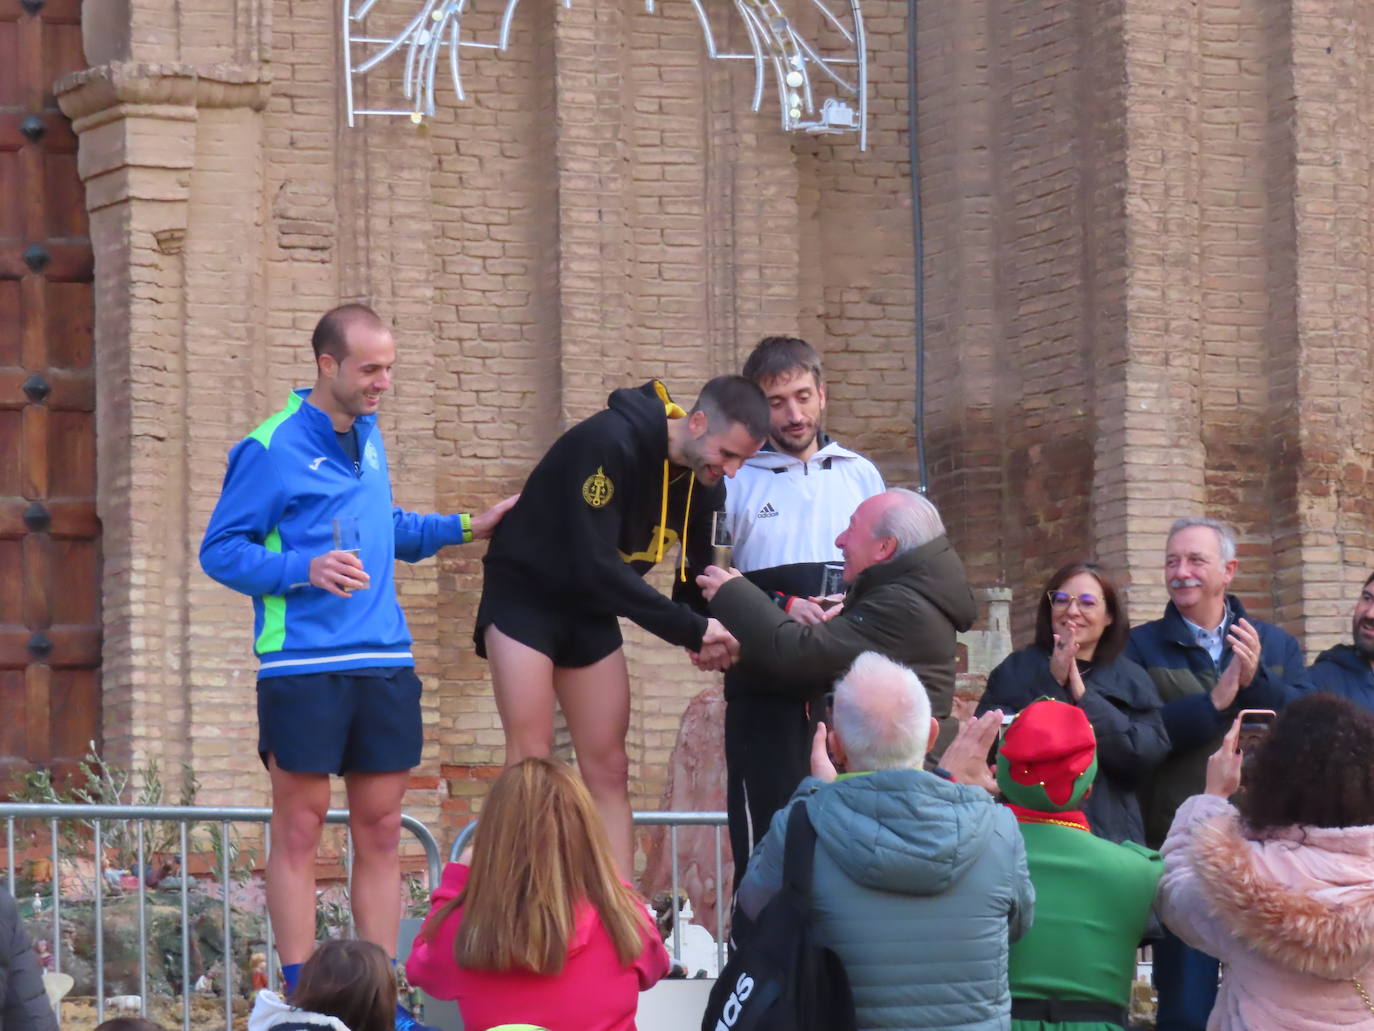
x,y
785,508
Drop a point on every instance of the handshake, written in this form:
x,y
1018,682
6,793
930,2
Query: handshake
x,y
719,649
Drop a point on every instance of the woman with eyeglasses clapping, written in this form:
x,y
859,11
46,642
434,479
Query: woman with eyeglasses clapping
x,y
1081,629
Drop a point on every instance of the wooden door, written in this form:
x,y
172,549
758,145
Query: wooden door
x,y
49,534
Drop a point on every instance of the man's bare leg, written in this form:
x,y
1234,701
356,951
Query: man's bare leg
x,y
522,679
374,818
299,804
596,704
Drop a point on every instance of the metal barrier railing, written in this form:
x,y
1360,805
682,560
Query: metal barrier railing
x,y
673,821
99,817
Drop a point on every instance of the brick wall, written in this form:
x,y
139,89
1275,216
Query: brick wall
x,y
1146,295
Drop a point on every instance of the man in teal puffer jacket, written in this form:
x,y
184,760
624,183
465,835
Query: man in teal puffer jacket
x,y
919,884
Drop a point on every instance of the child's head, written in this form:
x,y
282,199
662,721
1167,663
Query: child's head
x,y
128,1024
351,980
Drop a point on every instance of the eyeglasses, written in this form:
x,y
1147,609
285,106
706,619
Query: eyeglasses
x,y
1062,600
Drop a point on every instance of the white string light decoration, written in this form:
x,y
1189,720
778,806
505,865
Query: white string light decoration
x,y
434,33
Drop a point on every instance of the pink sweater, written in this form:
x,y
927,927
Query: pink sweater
x,y
595,992
1292,919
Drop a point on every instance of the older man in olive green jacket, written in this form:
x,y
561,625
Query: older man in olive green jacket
x,y
908,597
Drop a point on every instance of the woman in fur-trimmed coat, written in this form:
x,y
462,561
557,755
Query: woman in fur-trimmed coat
x,y
1280,887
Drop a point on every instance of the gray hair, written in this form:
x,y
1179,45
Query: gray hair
x,y
882,715
913,520
1226,537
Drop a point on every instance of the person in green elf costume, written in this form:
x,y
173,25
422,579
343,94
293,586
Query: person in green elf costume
x,y
1073,969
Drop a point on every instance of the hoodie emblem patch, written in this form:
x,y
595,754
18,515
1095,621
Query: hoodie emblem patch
x,y
597,489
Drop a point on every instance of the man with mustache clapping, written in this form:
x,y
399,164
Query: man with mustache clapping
x,y
1209,660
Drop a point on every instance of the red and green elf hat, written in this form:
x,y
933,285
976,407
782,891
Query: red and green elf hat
x,y
1048,757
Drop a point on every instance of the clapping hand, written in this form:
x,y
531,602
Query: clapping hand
x,y
1227,686
1075,685
1244,640
1063,659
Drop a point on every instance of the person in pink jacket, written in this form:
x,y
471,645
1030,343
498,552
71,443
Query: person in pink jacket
x,y
540,929
1280,887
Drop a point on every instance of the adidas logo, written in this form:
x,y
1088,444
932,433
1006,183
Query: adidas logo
x,y
767,511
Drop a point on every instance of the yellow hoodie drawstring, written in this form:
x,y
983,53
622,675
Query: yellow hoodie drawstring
x,y
663,514
686,514
663,523
673,411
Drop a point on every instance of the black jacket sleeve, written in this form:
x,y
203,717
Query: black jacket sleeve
x,y
1124,708
25,1004
773,642
797,655
593,536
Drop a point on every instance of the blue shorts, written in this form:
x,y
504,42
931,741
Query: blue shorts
x,y
355,721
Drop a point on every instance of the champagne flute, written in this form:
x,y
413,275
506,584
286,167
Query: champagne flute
x,y
722,541
832,585
347,537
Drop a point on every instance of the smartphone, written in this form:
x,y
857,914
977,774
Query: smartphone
x,y
1255,725
1007,717
828,717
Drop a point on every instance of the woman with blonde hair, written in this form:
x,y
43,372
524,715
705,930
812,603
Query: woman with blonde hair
x,y
539,929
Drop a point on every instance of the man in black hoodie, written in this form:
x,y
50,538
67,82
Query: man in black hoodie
x,y
608,501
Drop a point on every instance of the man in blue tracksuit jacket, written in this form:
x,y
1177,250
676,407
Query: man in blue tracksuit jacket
x,y
337,690
1348,669
1209,661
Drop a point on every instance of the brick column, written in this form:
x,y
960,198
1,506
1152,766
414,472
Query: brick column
x,y
1160,456
146,167
395,275
959,145
590,152
1329,161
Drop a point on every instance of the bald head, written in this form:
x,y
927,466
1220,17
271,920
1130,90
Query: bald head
x,y
885,526
332,332
908,517
882,715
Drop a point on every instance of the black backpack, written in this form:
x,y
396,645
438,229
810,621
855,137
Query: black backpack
x,y
779,979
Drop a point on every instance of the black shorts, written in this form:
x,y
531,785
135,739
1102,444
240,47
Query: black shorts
x,y
570,636
354,721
